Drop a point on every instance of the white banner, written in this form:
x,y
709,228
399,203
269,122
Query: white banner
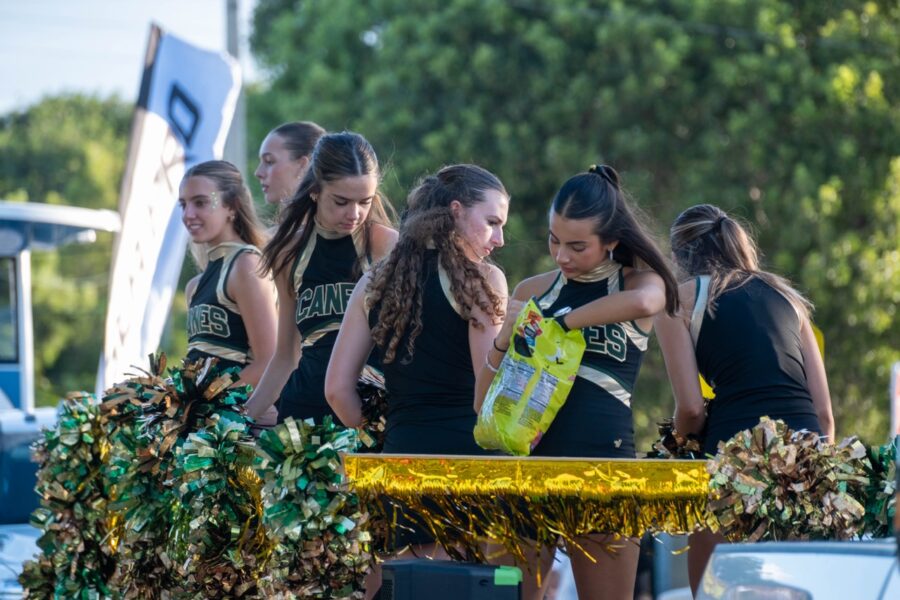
x,y
182,117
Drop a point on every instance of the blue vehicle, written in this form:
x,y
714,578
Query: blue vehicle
x,y
26,227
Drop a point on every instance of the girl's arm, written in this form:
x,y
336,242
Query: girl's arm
x,y
351,349
255,298
481,341
287,352
500,343
681,365
643,297
816,379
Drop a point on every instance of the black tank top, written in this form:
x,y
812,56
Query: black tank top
x,y
751,355
430,398
596,420
215,326
323,277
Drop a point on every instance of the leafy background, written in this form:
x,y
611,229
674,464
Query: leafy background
x,y
786,114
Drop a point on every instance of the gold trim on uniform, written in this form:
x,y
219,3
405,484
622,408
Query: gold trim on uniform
x,y
550,296
221,351
302,263
318,334
607,382
229,251
637,337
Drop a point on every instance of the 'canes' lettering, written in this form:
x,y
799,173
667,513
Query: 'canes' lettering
x,y
205,319
609,339
324,300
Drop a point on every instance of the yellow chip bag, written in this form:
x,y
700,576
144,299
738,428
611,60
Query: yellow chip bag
x,y
531,385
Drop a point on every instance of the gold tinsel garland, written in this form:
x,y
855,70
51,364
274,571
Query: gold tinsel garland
x,y
465,501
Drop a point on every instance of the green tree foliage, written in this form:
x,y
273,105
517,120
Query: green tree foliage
x,y
786,114
67,150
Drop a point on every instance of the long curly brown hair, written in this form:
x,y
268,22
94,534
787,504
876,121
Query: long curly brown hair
x,y
397,283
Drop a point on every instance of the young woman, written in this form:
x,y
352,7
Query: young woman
x,y
748,333
332,230
611,281
231,309
284,158
431,310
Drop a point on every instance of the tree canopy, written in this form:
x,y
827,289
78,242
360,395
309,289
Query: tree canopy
x,y
785,114
69,150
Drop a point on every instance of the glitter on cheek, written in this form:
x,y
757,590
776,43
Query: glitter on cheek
x,y
215,202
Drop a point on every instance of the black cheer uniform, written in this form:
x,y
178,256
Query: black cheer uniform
x,y
215,326
751,355
430,398
323,277
596,419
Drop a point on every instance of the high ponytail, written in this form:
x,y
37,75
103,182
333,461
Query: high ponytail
x,y
598,195
706,241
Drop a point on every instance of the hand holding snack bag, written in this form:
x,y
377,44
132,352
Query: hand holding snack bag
x,y
531,384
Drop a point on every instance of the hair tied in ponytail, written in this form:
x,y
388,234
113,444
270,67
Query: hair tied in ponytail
x,y
606,172
717,226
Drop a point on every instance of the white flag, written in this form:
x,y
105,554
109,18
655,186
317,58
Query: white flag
x,y
183,113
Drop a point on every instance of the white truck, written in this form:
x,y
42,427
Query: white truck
x,y
26,227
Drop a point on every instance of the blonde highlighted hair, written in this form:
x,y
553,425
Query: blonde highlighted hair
x,y
706,241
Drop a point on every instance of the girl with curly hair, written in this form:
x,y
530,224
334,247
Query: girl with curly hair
x,y
331,231
431,310
611,281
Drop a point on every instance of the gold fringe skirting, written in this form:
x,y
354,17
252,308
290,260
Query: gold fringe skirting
x,y
467,502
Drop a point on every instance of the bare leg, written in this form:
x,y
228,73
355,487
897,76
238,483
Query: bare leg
x,y
701,548
608,576
536,565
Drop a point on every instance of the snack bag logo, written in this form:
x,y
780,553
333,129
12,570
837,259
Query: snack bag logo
x,y
530,327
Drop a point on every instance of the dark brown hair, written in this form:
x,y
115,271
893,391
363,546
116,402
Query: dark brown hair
x,y
597,195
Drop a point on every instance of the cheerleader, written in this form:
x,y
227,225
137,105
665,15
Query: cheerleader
x,y
331,231
431,310
610,282
284,158
231,308
748,332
